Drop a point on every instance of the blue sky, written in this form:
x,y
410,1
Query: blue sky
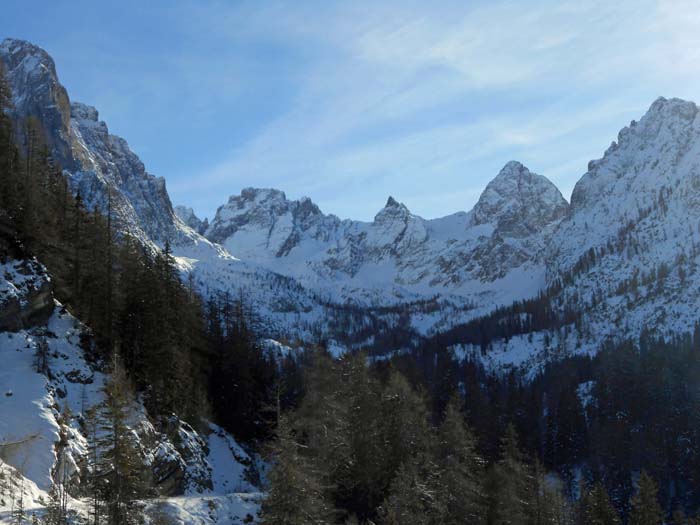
x,y
349,102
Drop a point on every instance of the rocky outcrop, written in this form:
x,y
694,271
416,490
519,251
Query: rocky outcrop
x,y
188,216
109,167
265,222
37,93
26,296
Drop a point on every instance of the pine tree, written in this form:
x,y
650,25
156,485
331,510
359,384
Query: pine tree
x,y
295,494
595,507
510,484
461,482
645,505
549,504
94,480
414,497
242,377
18,515
120,465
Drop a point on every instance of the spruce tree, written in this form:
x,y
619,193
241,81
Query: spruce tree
x,y
510,484
595,507
93,481
462,490
549,504
414,497
120,464
295,494
645,504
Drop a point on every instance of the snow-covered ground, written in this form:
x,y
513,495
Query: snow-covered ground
x,y
36,409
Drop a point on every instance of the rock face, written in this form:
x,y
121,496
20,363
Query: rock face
x,y
264,222
188,216
31,73
95,160
520,203
106,164
26,295
654,165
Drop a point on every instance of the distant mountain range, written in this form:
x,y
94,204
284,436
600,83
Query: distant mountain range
x,y
623,254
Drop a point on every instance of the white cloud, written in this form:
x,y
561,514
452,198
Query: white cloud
x,y
395,97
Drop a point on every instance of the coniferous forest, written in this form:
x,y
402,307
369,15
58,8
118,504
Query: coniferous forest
x,y
416,438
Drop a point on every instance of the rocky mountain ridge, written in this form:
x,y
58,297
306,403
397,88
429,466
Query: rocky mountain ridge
x,y
632,212
308,259
464,254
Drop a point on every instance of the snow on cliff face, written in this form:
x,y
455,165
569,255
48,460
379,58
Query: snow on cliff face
x,y
106,164
520,203
627,256
654,161
262,223
632,237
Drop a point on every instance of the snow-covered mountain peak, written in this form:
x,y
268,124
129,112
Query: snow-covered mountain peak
x,y
260,195
519,202
33,59
659,151
393,210
633,220
265,200
263,218
665,107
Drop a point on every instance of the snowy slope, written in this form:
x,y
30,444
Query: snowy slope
x,y
627,257
36,409
638,208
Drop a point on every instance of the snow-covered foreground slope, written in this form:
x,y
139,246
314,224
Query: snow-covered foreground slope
x,y
205,474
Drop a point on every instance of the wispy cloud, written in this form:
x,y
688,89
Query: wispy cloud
x,y
349,102
409,100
